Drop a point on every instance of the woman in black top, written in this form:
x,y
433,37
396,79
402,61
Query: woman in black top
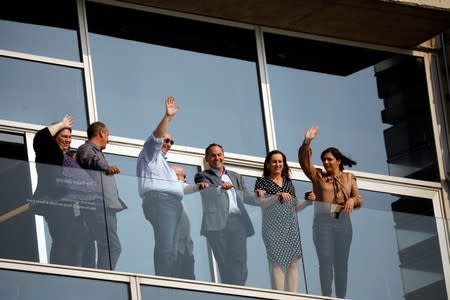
x,y
49,200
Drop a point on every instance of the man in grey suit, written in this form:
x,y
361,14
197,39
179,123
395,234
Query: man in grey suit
x,y
225,223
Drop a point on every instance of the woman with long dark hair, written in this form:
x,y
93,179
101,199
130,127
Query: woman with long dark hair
x,y
337,194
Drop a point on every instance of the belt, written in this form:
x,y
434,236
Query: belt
x,y
154,194
235,214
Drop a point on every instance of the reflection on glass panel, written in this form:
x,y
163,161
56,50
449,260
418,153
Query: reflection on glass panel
x,y
136,233
418,247
23,285
163,293
441,63
17,227
193,206
71,201
371,228
371,105
305,217
376,251
395,241
210,69
394,244
257,263
41,93
409,140
41,28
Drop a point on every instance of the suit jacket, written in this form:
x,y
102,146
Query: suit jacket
x,y
216,204
90,157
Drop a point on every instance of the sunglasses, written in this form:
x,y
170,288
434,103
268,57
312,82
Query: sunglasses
x,y
168,141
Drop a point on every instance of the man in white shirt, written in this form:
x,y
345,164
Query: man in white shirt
x,y
161,193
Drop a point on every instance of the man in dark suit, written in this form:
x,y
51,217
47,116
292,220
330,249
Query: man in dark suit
x,y
225,223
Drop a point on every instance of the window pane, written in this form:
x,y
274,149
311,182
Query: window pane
x,y
399,248
41,93
257,263
16,189
141,58
163,293
394,236
41,28
23,285
193,206
372,105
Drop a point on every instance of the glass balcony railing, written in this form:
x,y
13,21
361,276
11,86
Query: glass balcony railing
x,y
393,254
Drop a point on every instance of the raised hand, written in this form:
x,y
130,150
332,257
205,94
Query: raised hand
x,y
171,106
67,121
311,133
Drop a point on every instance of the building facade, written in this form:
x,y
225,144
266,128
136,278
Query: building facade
x,y
251,76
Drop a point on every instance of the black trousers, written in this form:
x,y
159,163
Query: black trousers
x,y
69,235
229,246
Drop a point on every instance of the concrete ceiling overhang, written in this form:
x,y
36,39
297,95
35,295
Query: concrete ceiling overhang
x,y
396,23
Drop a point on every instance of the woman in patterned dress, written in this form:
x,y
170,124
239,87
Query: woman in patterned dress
x,y
280,229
